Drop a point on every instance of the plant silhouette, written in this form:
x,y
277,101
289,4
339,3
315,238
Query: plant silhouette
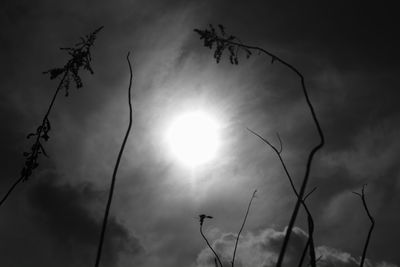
x,y
310,241
219,40
114,175
202,217
80,58
371,228
242,226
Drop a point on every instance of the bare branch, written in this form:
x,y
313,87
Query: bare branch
x,y
280,158
114,176
264,140
309,193
372,220
241,228
280,143
202,217
310,242
10,190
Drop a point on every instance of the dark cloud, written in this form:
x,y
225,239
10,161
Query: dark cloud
x,y
60,229
61,212
349,34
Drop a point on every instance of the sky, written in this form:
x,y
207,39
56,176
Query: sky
x,y
348,54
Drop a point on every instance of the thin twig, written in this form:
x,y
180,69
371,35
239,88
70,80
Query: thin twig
x,y
10,190
372,220
202,217
310,241
309,193
310,246
279,154
104,225
280,143
241,228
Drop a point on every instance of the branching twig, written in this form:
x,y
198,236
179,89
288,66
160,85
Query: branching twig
x,y
202,217
241,228
362,196
80,58
110,195
310,241
231,43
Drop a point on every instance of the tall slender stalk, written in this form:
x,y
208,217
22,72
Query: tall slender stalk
x,y
242,226
234,46
80,58
371,228
114,175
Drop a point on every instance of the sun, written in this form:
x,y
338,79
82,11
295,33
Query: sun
x,y
193,138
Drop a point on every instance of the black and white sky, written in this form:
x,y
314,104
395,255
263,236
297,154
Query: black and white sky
x,y
348,53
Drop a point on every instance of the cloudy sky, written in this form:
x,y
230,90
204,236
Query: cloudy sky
x,y
348,53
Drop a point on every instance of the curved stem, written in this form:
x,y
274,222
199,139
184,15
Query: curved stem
x,y
371,228
107,211
241,228
208,244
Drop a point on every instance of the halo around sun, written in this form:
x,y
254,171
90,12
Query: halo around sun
x,y
193,138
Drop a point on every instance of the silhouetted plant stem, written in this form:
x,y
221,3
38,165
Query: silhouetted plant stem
x,y
114,175
371,228
11,189
303,254
24,177
202,217
234,46
242,226
80,58
310,241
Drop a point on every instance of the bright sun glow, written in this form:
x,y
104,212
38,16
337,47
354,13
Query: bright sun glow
x,y
193,138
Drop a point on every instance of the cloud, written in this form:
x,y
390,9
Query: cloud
x,y
330,257
262,250
255,249
61,212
